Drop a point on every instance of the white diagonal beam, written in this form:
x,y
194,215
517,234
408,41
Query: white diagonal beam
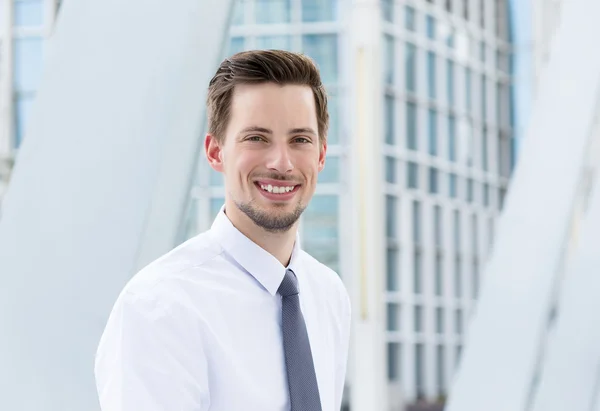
x,y
508,332
569,376
100,183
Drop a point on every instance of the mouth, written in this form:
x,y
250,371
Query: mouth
x,y
277,190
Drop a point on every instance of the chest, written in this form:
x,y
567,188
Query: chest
x,y
244,348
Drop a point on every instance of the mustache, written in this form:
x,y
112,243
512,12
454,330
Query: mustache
x,y
276,176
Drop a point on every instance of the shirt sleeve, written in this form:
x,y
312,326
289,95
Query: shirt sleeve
x,y
342,361
150,357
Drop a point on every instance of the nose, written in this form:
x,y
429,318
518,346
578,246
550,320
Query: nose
x,y
279,159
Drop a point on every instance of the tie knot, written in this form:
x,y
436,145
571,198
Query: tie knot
x,y
289,285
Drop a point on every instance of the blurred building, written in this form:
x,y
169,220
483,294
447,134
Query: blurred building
x,y
447,153
24,27
446,161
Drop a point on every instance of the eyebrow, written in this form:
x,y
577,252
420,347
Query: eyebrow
x,y
256,129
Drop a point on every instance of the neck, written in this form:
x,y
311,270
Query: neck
x,y
280,245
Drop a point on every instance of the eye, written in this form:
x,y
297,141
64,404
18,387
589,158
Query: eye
x,y
302,140
254,138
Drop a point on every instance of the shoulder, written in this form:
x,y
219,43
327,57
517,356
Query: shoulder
x,y
163,280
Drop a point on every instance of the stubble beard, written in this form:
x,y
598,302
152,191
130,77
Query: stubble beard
x,y
271,222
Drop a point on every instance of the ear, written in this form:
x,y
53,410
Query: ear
x,y
322,155
214,152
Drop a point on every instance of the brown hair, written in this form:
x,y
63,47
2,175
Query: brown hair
x,y
262,66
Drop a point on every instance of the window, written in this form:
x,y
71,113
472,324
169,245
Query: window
x,y
483,98
393,283
419,370
393,356
410,67
470,190
432,127
482,53
458,354
450,39
501,12
387,10
468,92
437,225
389,119
320,228
439,320
390,205
430,25
431,86
416,220
484,149
390,170
452,184
319,10
409,18
333,134
482,14
273,42
501,195
323,48
236,45
486,194
321,218
459,321
412,174
28,62
28,13
411,126
450,82
392,317
417,273
331,171
23,107
433,180
457,277
474,234
439,279
456,226
418,313
272,11
389,58
452,138
440,370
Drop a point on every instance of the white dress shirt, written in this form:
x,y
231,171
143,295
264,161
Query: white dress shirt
x,y
200,329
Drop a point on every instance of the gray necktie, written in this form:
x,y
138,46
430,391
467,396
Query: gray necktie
x,y
302,381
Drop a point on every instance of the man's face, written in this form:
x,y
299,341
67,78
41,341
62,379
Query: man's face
x,y
271,154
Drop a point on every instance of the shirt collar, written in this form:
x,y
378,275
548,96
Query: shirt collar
x,y
261,264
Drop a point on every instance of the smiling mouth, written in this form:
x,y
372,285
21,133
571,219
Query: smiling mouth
x,y
277,189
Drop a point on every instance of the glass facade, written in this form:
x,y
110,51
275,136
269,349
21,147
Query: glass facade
x,y
439,133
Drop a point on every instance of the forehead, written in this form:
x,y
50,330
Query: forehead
x,y
273,106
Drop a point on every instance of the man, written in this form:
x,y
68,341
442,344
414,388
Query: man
x,y
240,317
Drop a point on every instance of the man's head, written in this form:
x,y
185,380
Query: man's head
x,y
267,130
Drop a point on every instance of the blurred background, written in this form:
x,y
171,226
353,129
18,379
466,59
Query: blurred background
x,y
454,91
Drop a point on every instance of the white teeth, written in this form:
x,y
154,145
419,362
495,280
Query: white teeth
x,y
277,189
